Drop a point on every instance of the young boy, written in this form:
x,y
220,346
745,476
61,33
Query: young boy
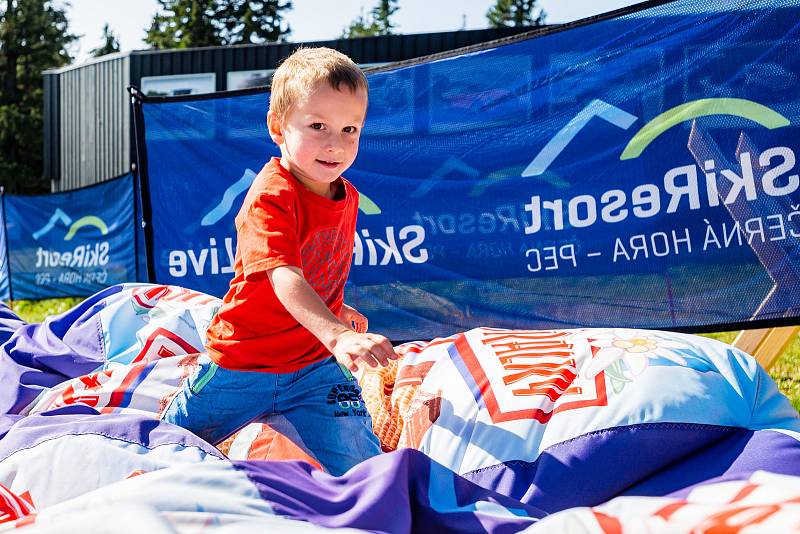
x,y
283,343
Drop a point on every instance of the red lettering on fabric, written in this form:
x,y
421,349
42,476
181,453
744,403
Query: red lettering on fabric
x,y
13,506
735,519
76,392
607,523
533,374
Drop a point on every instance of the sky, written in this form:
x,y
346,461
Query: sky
x,y
314,20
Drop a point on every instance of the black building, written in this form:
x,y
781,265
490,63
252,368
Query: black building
x,y
87,115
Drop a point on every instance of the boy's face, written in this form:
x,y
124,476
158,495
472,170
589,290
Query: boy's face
x,y
319,135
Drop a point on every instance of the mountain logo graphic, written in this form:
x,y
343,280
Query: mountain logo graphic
x,y
737,107
73,227
224,206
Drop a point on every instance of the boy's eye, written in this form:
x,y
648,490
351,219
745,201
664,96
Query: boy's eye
x,y
350,129
317,126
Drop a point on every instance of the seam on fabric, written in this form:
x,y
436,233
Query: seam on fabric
x,y
759,377
275,387
101,339
114,438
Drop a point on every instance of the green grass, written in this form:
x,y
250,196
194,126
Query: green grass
x,y
36,311
785,371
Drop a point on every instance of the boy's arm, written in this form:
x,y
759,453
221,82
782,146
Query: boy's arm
x,y
303,303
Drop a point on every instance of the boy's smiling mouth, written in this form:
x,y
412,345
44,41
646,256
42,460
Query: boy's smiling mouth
x,y
328,163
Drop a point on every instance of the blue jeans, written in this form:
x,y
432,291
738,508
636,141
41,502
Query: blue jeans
x,y
322,401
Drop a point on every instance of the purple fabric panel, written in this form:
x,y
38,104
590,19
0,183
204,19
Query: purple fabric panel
x,y
10,322
598,466
79,420
735,458
386,493
6,422
39,356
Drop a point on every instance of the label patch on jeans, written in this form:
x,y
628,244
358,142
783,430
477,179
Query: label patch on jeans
x,y
347,400
203,380
346,372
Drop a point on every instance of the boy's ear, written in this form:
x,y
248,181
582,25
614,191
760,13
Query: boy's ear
x,y
275,128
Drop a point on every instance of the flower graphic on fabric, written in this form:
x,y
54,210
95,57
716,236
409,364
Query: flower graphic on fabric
x,y
634,348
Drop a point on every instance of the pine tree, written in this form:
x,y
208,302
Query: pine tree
x,y
184,24
515,13
193,23
382,13
34,36
377,23
249,21
110,43
361,26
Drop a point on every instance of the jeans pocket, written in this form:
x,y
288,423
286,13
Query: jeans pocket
x,y
345,371
204,375
346,374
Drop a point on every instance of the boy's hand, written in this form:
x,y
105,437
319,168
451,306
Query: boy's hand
x,y
353,319
348,346
353,348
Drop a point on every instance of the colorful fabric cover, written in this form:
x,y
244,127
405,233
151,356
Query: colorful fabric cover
x,y
592,430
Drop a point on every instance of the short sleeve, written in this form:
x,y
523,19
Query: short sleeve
x,y
267,234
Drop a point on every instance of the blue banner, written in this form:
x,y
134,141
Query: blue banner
x,y
71,244
637,171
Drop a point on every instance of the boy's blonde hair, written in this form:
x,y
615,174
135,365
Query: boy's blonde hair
x,y
299,72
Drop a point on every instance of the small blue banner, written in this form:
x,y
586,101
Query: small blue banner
x,y
71,244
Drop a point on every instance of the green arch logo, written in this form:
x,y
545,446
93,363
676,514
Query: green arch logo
x,y
738,107
89,220
366,205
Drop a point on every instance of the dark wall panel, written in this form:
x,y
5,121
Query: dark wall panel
x,y
86,126
382,49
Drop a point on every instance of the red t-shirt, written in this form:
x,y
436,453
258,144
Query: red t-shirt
x,y
282,223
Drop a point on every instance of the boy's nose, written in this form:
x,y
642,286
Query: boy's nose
x,y
335,145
